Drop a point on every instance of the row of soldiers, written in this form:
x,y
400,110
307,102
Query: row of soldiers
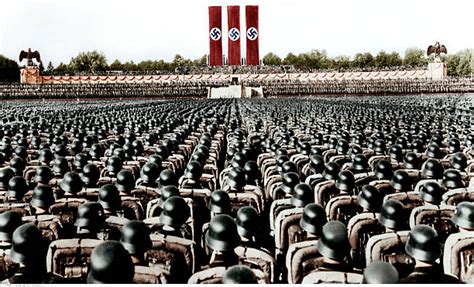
x,y
376,86
233,191
199,88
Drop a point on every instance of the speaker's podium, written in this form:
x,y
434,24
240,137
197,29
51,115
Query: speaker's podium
x,y
235,90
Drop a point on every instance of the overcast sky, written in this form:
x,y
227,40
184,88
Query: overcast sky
x,y
145,29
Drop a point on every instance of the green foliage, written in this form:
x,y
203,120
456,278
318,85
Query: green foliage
x,y
452,62
290,59
271,59
415,57
9,70
62,68
461,63
49,69
384,59
341,63
200,62
466,62
89,62
363,60
116,65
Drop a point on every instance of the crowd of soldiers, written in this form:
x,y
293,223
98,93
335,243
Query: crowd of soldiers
x,y
307,190
108,90
199,88
376,86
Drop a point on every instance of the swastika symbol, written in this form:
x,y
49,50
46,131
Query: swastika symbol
x,y
252,33
215,34
234,34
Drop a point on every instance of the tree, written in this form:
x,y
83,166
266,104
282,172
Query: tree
x,y
341,63
49,68
415,57
381,60
88,62
290,59
62,69
200,62
116,65
452,62
314,59
363,60
466,62
9,70
129,66
271,59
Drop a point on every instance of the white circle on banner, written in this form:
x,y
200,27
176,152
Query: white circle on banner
x,y
215,34
234,34
252,33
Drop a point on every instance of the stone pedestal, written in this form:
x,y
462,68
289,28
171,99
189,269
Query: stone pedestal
x,y
438,70
230,92
30,75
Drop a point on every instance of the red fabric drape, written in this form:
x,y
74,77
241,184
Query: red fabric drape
x,y
251,15
215,35
233,21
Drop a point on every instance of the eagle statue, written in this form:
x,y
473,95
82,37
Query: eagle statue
x,y
30,55
437,49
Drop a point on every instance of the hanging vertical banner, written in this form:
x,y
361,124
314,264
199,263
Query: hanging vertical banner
x,y
233,21
215,35
251,16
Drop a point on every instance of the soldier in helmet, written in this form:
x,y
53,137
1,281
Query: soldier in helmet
x,y
382,173
393,216
149,175
239,274
90,176
316,169
370,199
43,175
174,216
311,227
166,192
401,181
110,263
109,198
167,177
126,185
9,221
6,174
334,246
432,193
452,179
91,223
222,239
192,176
136,240
41,199
463,217
424,247
379,272
70,185
28,250
17,189
290,180
113,166
248,225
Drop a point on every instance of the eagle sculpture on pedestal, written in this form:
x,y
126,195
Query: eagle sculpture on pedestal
x,y
437,49
30,55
